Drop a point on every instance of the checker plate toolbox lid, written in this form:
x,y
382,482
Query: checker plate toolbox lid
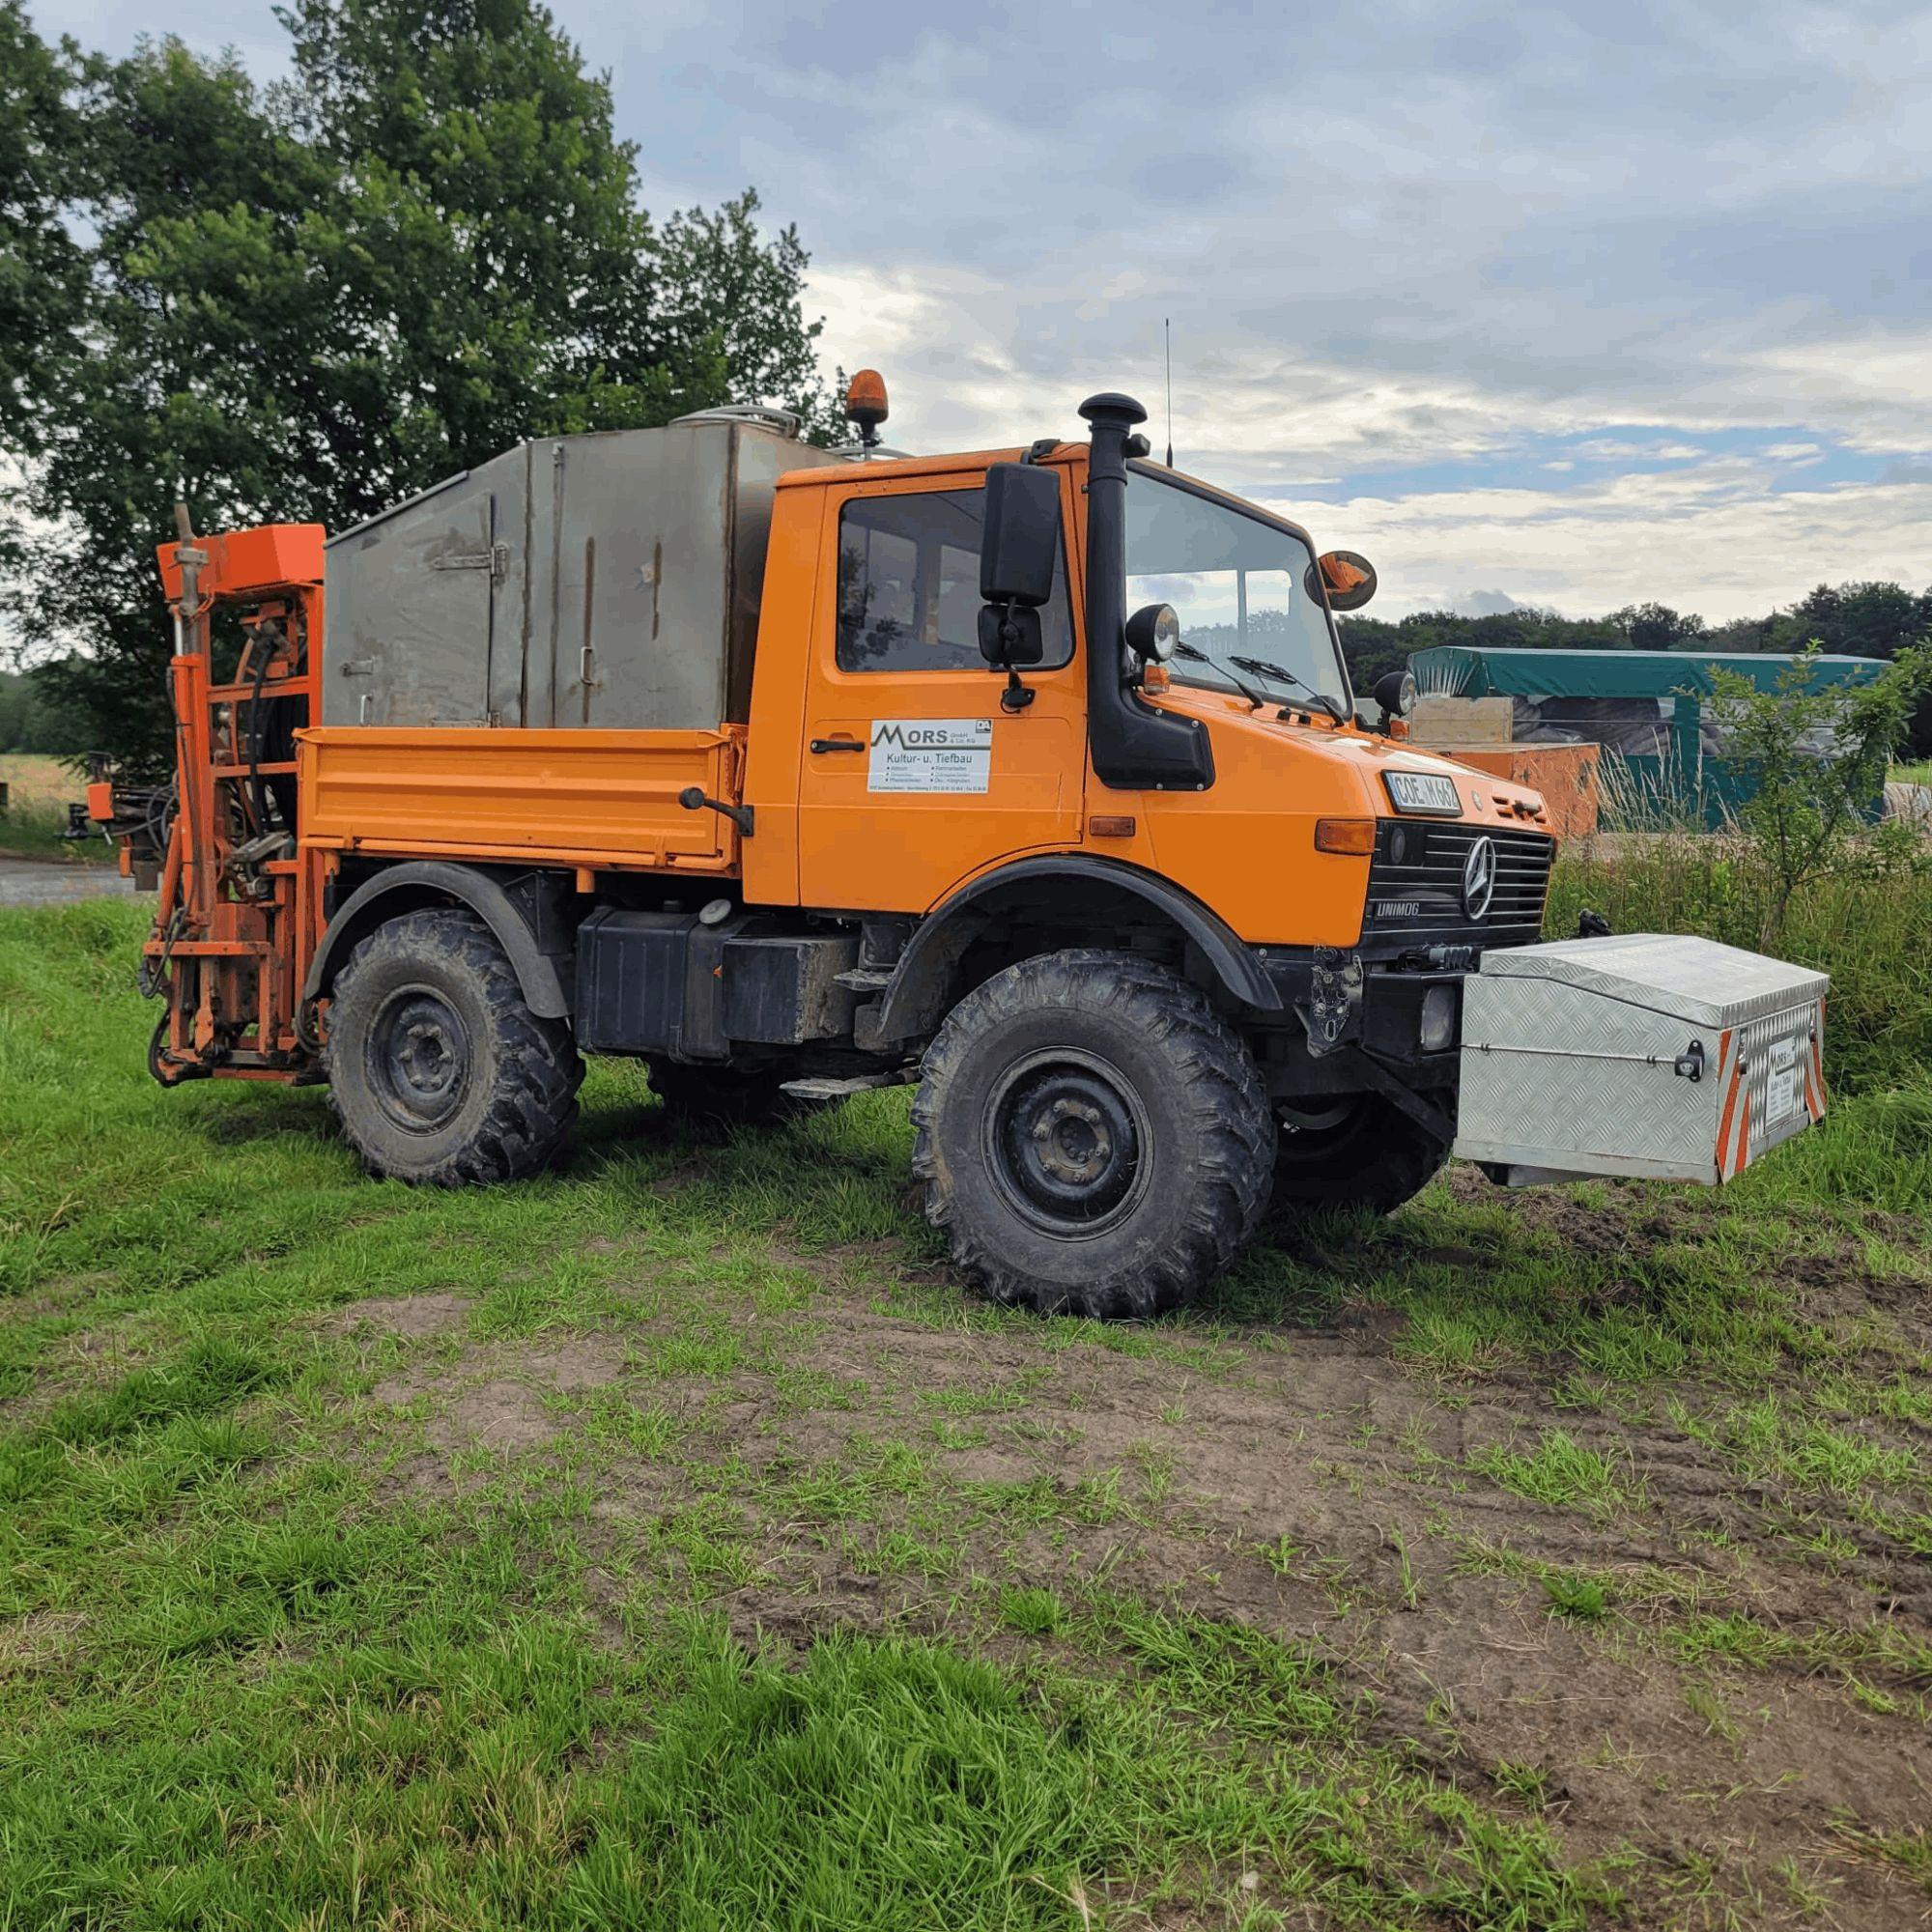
x,y
1649,1054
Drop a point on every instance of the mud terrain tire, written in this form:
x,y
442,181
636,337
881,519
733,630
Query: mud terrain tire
x,y
438,1072
1371,1156
1094,1138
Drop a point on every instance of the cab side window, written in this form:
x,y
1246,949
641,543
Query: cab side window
x,y
909,586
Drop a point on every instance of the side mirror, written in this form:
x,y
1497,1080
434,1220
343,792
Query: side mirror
x,y
1347,579
1009,636
1021,543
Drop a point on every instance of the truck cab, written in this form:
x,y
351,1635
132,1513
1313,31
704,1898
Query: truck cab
x,y
1030,777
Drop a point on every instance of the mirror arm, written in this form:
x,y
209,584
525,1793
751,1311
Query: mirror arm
x,y
1018,695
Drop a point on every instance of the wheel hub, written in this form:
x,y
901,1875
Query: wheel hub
x,y
1075,1144
418,1058
1066,1142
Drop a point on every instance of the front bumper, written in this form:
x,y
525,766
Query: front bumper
x,y
1335,1004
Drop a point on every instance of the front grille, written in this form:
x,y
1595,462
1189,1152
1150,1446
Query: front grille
x,y
1415,884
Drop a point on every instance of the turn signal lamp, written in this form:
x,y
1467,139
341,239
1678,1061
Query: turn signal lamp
x,y
1355,837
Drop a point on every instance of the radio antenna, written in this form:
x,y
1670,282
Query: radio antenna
x,y
1167,332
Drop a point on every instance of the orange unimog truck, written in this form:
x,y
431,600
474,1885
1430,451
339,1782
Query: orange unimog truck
x,y
1031,777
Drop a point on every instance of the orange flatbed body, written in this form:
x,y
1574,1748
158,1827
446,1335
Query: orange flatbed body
x,y
599,800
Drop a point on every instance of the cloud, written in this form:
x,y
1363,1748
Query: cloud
x,y
1591,304
1714,545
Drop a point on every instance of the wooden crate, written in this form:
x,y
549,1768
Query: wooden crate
x,y
1443,720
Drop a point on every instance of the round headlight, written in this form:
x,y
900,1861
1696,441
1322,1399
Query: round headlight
x,y
1395,694
1152,633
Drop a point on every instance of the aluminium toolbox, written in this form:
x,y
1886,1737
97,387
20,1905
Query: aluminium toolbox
x,y
1650,1055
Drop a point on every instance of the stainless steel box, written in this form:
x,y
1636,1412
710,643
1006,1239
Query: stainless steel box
x,y
611,579
1649,1055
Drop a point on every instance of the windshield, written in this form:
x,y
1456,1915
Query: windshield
x,y
1241,586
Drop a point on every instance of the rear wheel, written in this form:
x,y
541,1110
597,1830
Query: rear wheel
x,y
1357,1151
437,1070
1093,1136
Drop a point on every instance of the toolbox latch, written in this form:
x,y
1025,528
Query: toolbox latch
x,y
1689,1064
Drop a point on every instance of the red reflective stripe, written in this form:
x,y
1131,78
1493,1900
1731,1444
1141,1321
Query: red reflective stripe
x,y
1730,1105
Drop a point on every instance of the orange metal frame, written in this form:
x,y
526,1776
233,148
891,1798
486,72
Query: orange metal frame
x,y
239,910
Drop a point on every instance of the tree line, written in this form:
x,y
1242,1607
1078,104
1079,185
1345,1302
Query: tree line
x,y
303,300
1866,620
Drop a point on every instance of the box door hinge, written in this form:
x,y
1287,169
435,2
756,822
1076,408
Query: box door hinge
x,y
495,560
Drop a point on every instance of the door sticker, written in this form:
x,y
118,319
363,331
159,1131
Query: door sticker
x,y
931,754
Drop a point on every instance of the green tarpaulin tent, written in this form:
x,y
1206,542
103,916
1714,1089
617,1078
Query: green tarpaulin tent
x,y
1650,709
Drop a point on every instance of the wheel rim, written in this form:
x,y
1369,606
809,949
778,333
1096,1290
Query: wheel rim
x,y
1307,1131
1319,1121
1069,1143
418,1057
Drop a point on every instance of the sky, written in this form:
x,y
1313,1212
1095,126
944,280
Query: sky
x,y
1574,306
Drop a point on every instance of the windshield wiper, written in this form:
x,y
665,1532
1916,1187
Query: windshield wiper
x,y
1198,656
1262,667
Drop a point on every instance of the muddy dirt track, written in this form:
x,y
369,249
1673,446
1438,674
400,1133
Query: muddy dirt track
x,y
1620,1605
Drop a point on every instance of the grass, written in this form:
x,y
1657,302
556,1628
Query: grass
x,y
40,789
1867,923
728,1617
1563,1473
1583,1598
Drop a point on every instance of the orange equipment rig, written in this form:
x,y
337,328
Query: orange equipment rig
x,y
239,908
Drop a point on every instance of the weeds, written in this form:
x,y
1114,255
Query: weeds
x,y
758,1626
1583,1598
1564,1474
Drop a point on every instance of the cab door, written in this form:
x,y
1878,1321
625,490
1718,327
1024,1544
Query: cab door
x,y
913,775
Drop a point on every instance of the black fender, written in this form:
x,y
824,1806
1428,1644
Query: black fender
x,y
424,882
917,996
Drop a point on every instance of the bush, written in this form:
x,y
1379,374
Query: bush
x,y
1868,922
1815,761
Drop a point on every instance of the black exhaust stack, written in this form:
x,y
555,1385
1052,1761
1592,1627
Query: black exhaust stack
x,y
1135,747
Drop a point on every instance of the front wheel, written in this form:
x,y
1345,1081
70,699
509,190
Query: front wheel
x,y
1093,1137
1357,1151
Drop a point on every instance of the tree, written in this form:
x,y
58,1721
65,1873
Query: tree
x,y
42,268
195,321
1655,627
29,721
1815,763
1862,620
304,304
1869,621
